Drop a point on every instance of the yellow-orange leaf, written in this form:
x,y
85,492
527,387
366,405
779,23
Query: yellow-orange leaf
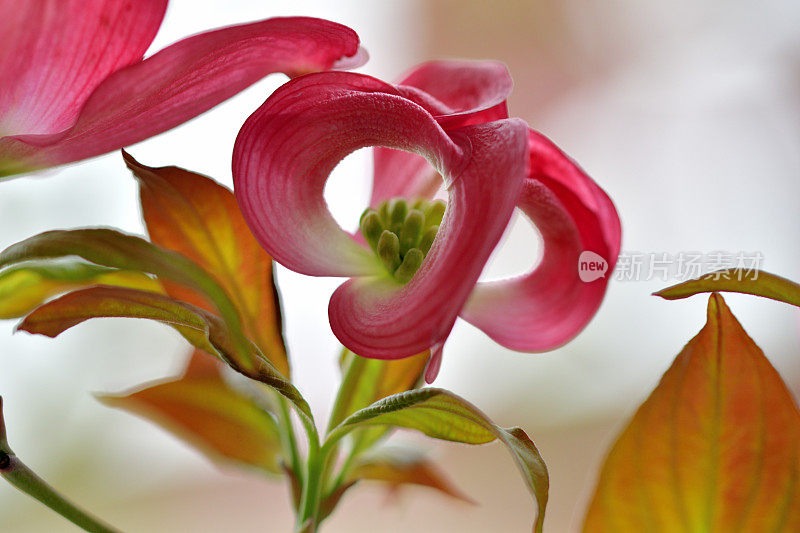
x,y
201,408
25,287
194,215
752,281
715,448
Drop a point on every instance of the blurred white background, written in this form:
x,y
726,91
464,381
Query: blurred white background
x,y
687,113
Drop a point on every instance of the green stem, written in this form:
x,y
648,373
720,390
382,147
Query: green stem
x,y
23,478
309,501
289,439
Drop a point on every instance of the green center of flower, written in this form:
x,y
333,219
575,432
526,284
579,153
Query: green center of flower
x,y
401,234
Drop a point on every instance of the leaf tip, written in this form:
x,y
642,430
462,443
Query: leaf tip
x,y
716,307
105,398
672,293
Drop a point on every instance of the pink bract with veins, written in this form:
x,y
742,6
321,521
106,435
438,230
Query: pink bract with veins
x,y
444,121
73,83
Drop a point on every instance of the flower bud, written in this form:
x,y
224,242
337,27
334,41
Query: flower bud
x,y
397,214
383,212
371,228
427,239
411,231
388,250
411,263
434,213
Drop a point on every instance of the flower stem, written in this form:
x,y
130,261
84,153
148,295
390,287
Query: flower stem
x,y
312,489
24,479
289,439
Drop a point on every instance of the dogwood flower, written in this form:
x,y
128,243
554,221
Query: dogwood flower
x,y
415,264
73,83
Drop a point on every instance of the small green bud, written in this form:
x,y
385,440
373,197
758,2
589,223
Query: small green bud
x,y
411,263
371,228
427,239
383,212
435,212
397,214
419,203
411,231
388,250
364,214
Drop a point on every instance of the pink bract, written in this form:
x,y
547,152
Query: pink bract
x,y
73,83
444,121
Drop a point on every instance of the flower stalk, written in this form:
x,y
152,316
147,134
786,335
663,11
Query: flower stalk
x,y
24,479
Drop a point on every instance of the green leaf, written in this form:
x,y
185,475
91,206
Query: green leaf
x,y
25,287
202,329
202,409
752,281
366,381
114,249
442,415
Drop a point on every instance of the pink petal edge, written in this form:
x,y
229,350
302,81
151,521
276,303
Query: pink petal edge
x,y
457,93
434,363
180,82
550,305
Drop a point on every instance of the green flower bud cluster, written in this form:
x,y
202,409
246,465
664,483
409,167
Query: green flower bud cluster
x,y
401,234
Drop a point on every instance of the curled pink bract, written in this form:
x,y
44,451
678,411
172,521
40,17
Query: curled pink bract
x,y
444,125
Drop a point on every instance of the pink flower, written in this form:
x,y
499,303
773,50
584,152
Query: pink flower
x,y
445,119
73,83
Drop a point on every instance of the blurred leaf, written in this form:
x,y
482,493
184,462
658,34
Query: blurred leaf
x,y
366,381
443,415
396,470
745,281
193,215
23,288
200,408
714,448
296,490
204,330
332,500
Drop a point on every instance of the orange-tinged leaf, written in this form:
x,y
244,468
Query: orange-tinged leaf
x,y
745,281
715,448
202,329
397,471
25,287
194,215
202,409
110,248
